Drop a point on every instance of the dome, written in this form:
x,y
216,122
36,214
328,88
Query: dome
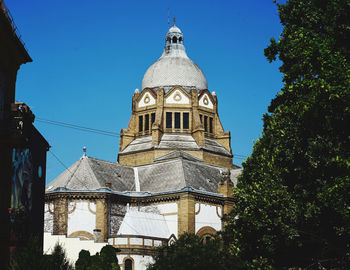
x,y
174,29
174,67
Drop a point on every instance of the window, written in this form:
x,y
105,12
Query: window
x,y
177,120
153,118
205,123
169,120
174,40
140,123
147,122
128,264
185,120
210,125
201,118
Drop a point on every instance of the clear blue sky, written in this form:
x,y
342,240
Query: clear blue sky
x,y
89,56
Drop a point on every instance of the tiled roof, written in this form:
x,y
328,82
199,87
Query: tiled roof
x,y
173,171
141,223
179,173
91,173
139,144
175,142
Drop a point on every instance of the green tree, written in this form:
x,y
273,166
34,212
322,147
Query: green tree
x,y
58,259
29,256
83,261
293,197
189,252
105,260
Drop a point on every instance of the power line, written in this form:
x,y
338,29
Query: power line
x,y
101,132
77,127
72,174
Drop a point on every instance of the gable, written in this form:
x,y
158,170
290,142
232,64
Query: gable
x,y
146,99
177,97
206,102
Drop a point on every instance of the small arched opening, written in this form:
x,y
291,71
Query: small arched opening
x,y
174,39
180,40
128,264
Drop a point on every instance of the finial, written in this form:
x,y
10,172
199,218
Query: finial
x,y
174,20
84,150
168,17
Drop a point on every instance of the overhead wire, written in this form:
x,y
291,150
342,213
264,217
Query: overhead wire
x,y
101,132
78,127
72,174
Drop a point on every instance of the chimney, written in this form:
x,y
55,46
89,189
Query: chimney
x,y
109,185
97,235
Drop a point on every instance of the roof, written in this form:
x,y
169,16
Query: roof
x,y
90,173
143,223
181,172
175,142
7,22
174,67
173,171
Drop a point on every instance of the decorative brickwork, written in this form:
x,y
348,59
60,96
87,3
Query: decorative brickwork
x,y
60,217
206,231
186,214
196,128
102,218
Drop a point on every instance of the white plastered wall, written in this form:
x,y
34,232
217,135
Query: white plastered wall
x,y
48,217
169,211
140,262
72,246
206,102
208,216
177,97
81,219
147,100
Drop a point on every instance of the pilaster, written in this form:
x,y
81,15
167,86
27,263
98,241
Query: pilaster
x,y
186,214
197,126
102,218
60,216
157,125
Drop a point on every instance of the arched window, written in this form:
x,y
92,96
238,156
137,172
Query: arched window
x,y
180,39
128,264
174,40
168,39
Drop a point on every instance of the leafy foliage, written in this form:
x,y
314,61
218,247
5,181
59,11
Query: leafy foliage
x,y
30,256
105,260
293,198
58,259
189,252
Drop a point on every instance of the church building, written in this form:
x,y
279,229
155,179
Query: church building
x,y
174,172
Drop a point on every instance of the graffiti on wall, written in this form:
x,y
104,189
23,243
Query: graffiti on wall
x,y
21,192
22,180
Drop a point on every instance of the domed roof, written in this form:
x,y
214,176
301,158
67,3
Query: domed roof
x,y
174,67
175,29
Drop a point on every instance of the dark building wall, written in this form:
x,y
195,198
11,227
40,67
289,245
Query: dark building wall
x,y
12,55
27,187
